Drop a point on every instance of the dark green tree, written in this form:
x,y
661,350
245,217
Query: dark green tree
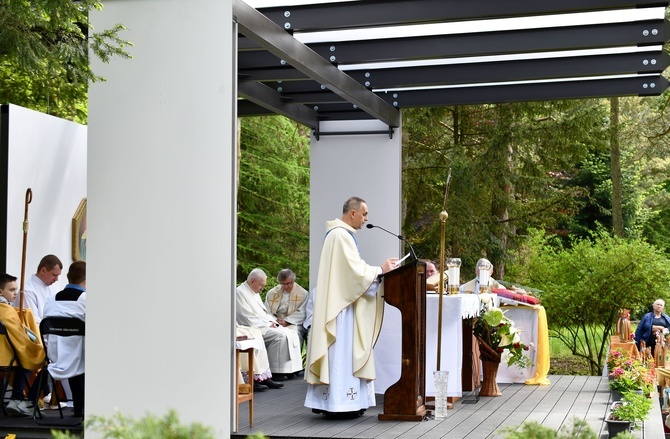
x,y
586,284
44,54
273,198
509,166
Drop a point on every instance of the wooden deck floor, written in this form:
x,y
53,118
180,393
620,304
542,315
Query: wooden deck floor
x,y
281,413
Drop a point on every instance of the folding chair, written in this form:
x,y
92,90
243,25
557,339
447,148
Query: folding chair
x,y
7,352
63,327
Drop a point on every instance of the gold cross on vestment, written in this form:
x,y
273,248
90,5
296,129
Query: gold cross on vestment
x,y
273,302
295,301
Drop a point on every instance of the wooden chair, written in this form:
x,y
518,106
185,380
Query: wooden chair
x,y
244,392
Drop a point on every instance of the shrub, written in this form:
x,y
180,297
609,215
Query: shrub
x,y
120,426
579,429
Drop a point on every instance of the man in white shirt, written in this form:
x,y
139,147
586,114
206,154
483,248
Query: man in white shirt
x,y
37,289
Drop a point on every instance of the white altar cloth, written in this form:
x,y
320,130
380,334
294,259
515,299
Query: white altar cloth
x,y
388,350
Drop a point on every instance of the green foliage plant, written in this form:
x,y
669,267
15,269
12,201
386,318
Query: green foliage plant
x,y
585,284
634,408
577,429
631,375
120,426
623,380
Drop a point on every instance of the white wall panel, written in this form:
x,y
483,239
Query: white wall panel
x,y
161,214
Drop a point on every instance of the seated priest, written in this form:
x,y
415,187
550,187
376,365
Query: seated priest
x,y
282,344
483,273
287,303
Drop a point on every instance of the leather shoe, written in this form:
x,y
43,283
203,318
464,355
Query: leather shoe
x,y
279,377
258,387
272,384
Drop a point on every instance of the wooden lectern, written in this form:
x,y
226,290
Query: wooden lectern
x,y
405,288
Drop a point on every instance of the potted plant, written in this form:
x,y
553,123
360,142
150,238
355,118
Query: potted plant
x,y
631,376
634,407
621,382
498,341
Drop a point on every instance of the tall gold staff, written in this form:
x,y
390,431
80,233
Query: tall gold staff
x,y
29,198
443,219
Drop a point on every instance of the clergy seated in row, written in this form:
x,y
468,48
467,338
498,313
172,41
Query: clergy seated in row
x,y
262,375
483,278
287,302
67,359
27,344
282,343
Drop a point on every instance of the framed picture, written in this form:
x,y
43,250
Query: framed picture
x,y
79,232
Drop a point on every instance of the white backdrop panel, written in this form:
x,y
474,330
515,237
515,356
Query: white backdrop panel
x,y
48,155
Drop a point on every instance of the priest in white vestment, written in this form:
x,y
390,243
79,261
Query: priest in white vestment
x,y
483,272
282,344
346,321
287,302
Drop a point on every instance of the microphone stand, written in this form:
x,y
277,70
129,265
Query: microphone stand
x,y
400,237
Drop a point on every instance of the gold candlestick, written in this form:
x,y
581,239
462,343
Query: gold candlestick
x,y
443,220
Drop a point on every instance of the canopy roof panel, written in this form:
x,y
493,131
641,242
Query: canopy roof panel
x,y
350,60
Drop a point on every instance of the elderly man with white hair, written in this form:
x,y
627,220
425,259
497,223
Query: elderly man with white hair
x,y
282,344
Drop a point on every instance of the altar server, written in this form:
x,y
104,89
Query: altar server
x,y
67,359
37,289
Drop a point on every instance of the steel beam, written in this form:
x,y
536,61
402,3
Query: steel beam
x,y
268,98
637,86
394,12
254,25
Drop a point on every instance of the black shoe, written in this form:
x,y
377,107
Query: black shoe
x,y
339,415
272,384
279,377
258,387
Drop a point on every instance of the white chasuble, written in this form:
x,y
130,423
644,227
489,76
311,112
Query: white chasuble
x,y
282,344
347,317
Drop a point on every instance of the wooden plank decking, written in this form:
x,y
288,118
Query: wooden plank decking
x,y
281,413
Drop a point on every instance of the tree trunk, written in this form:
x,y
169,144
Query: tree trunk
x,y
615,151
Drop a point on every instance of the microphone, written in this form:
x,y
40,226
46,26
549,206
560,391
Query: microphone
x,y
400,237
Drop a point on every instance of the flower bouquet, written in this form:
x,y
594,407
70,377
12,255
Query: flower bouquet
x,y
498,340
